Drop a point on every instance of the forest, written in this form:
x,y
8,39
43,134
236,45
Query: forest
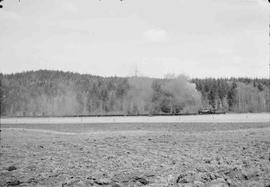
x,y
58,93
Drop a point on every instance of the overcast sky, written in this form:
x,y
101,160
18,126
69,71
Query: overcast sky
x,y
200,38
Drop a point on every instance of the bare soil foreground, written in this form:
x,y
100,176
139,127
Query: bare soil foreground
x,y
135,154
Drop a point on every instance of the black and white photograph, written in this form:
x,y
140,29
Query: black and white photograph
x,y
135,93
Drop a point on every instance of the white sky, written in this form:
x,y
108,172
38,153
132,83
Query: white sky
x,y
200,38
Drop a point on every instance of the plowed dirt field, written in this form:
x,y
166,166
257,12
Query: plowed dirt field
x,y
135,154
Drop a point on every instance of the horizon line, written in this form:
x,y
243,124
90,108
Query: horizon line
x,y
132,76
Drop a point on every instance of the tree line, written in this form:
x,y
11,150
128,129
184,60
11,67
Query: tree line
x,y
235,94
58,93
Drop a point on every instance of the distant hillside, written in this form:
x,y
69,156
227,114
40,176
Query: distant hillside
x,y
58,93
235,94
